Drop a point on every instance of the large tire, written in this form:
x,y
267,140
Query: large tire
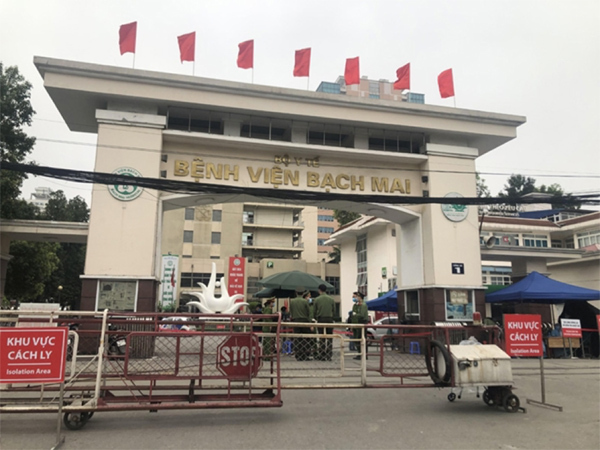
x,y
433,348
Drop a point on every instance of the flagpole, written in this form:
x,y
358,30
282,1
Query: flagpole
x,y
307,83
133,65
194,67
252,73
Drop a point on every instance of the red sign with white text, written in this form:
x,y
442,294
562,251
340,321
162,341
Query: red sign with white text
x,y
33,355
571,328
523,335
236,275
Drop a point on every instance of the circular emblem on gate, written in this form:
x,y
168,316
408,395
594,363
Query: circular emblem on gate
x,y
236,262
125,192
455,213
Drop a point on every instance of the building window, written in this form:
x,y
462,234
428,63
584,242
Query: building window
x,y
392,283
321,242
335,282
191,279
248,216
502,280
588,238
323,218
215,237
411,305
216,215
556,243
325,230
361,263
247,239
570,243
459,304
188,236
189,213
533,240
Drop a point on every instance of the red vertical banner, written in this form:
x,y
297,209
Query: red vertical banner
x,y
352,71
523,335
236,276
302,63
446,83
127,37
245,58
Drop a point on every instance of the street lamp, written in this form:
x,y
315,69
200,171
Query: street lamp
x,y
60,288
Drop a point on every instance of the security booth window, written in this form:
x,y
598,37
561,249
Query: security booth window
x,y
411,305
459,304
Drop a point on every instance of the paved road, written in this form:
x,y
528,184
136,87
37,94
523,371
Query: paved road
x,y
352,419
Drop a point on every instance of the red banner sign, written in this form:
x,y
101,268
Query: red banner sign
x,y
523,335
33,355
236,275
571,328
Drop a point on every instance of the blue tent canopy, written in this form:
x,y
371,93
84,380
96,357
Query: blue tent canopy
x,y
387,302
538,288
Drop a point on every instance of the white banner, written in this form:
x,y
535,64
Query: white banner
x,y
169,278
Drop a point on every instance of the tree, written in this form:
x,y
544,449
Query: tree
x,y
15,145
345,217
71,256
560,199
516,186
29,270
482,189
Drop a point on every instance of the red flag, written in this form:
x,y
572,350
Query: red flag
x,y
446,83
302,66
403,81
245,58
173,278
352,72
127,35
187,46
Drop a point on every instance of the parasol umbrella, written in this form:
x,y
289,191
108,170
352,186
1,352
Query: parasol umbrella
x,y
279,293
291,280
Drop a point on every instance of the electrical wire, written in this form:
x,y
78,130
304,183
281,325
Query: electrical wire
x,y
285,195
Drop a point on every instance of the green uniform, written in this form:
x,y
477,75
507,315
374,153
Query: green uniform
x,y
300,312
360,314
324,311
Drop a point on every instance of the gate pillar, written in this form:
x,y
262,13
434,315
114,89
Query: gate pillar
x,y
121,260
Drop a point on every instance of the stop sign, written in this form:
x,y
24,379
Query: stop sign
x,y
238,357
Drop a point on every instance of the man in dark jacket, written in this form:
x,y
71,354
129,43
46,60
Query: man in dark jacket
x,y
324,310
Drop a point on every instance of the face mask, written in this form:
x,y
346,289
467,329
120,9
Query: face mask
x,y
354,300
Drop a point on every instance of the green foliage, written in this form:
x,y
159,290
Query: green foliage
x,y
61,209
32,266
345,217
482,189
335,256
516,186
15,145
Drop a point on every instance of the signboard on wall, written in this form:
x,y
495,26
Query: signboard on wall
x,y
169,272
236,275
523,335
35,355
459,304
117,295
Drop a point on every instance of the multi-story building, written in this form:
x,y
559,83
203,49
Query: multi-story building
x,y
40,197
379,89
511,248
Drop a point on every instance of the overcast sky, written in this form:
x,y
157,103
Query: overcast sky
x,y
536,58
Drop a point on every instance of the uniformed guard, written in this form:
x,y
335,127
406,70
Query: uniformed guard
x,y
300,312
324,311
268,341
360,314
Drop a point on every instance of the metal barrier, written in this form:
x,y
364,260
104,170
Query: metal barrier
x,y
161,361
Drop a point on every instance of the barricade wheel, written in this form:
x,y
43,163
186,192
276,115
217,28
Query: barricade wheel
x,y
511,403
451,396
76,421
487,398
